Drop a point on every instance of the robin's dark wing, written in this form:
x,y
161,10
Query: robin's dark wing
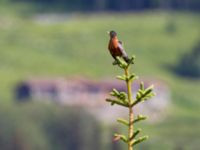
x,y
124,54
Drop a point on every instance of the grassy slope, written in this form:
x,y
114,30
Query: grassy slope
x,y
79,46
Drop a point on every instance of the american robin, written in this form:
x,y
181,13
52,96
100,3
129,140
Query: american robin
x,y
115,47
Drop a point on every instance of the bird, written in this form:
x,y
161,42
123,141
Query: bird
x,y
115,47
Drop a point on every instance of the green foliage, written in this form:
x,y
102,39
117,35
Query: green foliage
x,y
39,126
19,131
139,117
125,100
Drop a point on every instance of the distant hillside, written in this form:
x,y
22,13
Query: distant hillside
x,y
78,44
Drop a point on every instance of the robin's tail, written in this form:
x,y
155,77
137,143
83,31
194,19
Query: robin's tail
x,y
126,59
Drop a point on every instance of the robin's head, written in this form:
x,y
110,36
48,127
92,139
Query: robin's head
x,y
112,34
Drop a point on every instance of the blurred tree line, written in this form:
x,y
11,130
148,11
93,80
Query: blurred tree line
x,y
37,126
189,64
118,5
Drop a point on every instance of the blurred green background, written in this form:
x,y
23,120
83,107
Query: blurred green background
x,y
65,38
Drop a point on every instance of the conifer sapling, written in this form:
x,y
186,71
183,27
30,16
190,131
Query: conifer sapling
x,y
125,98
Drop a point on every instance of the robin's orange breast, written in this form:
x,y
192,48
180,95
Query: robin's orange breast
x,y
113,47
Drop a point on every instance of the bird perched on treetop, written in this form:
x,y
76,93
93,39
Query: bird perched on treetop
x,y
115,47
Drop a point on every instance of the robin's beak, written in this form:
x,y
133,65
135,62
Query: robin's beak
x,y
108,32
